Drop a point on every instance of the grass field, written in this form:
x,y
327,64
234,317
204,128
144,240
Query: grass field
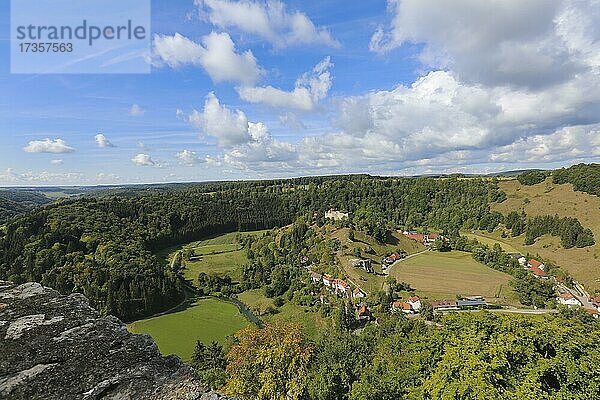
x,y
221,263
547,198
311,321
221,255
205,320
444,275
491,240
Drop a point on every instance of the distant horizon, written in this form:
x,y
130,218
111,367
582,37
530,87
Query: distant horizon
x,y
116,185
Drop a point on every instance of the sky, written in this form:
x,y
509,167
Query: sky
x,y
267,89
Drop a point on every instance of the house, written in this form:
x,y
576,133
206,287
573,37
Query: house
x,y
315,277
402,306
568,299
364,264
596,302
536,264
335,215
537,269
341,288
392,258
328,280
520,258
357,293
444,305
426,239
363,313
471,303
415,303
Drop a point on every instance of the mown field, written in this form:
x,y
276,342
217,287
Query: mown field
x,y
547,198
437,275
205,320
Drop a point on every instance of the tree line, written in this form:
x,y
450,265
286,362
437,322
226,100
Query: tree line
x,y
467,356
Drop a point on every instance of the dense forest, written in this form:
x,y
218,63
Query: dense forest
x,y
584,177
13,203
460,356
532,177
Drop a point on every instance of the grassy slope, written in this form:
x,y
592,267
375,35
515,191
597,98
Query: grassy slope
x,y
206,320
445,275
547,198
220,254
370,282
311,322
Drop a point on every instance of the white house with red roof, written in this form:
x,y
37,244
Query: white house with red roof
x,y
358,293
537,269
568,299
402,306
415,303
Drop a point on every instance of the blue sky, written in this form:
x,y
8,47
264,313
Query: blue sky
x,y
398,87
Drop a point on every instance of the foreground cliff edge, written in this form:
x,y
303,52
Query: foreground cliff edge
x,y
58,347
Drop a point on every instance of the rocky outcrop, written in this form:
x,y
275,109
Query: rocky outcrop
x,y
58,347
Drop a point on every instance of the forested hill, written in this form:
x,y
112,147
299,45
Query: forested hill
x,y
105,246
13,203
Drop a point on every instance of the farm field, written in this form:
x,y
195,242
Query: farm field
x,y
206,320
437,275
546,198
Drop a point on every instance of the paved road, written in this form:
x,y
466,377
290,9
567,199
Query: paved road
x,y
529,311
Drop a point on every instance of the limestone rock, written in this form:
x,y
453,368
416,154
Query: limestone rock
x,y
58,347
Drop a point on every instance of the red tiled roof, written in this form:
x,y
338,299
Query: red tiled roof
x,y
416,236
535,263
413,299
592,311
401,305
566,296
443,303
342,282
537,271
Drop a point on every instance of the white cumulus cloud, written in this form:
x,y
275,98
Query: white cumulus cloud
x,y
136,111
190,158
48,146
229,127
56,162
102,141
530,44
143,160
310,88
217,55
269,20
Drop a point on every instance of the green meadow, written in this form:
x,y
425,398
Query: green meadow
x,y
206,319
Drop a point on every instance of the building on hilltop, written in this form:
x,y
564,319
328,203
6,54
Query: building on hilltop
x,y
335,215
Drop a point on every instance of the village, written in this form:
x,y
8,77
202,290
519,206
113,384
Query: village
x,y
412,305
